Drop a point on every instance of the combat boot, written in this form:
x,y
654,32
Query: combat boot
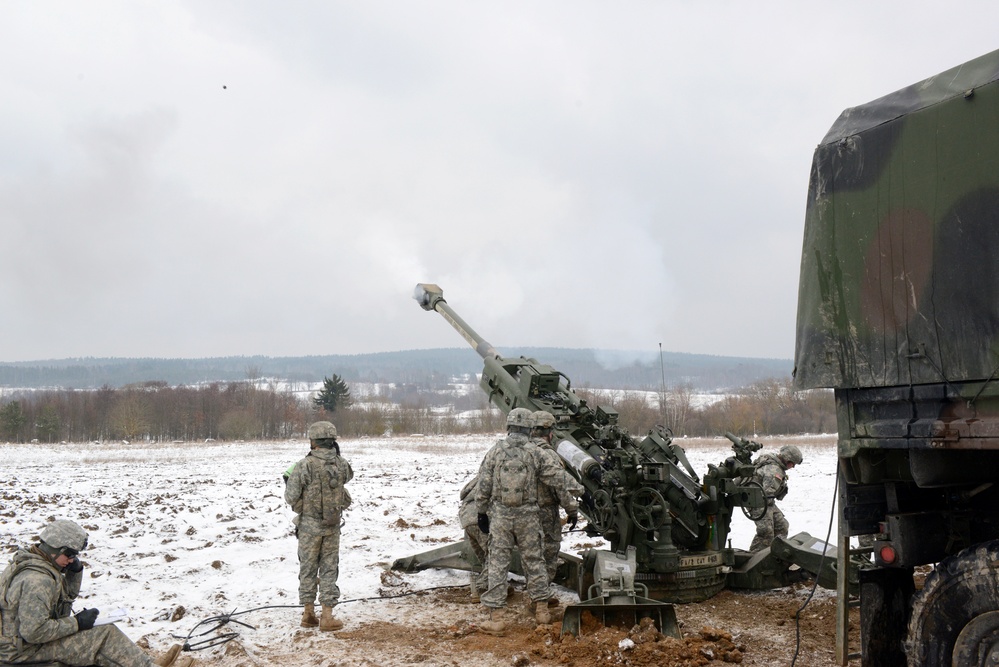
x,y
541,613
496,625
327,622
473,585
168,658
309,619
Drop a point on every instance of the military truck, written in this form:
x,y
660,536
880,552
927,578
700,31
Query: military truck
x,y
898,313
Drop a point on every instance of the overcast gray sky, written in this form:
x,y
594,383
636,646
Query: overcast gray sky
x,y
195,179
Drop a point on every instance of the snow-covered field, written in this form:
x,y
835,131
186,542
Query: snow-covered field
x,y
183,532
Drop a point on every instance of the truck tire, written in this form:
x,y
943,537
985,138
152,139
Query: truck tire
x,y
954,616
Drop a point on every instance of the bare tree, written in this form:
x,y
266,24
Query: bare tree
x,y
129,417
675,404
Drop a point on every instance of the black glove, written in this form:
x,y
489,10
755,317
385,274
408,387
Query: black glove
x,y
85,619
587,500
483,522
597,474
572,518
75,565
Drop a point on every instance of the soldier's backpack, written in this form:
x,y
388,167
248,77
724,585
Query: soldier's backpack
x,y
336,475
515,477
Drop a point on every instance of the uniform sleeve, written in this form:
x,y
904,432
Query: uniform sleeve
x,y
296,483
468,489
34,613
348,471
553,474
484,491
73,582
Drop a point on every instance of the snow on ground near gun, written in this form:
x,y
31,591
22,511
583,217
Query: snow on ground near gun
x,y
180,533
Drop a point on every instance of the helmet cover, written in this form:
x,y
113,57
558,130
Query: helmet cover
x,y
64,534
790,454
322,431
543,419
520,417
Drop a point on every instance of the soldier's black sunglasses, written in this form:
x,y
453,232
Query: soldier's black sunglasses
x,y
70,552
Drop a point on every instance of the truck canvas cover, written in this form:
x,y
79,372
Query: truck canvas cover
x,y
903,198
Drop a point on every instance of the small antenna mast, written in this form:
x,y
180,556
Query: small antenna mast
x,y
662,395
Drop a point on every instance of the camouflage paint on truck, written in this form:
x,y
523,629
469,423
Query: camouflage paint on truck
x,y
898,311
899,272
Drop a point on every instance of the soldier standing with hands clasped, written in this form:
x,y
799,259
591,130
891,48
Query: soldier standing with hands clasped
x,y
316,492
508,511
37,591
771,473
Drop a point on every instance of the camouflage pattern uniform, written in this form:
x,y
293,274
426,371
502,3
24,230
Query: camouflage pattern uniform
x,y
771,473
478,581
316,492
549,499
516,525
36,600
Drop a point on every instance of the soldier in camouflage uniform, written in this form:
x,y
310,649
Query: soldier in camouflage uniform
x,y
548,497
317,494
37,591
478,582
507,506
771,473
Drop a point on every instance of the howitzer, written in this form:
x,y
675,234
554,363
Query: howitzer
x,y
641,493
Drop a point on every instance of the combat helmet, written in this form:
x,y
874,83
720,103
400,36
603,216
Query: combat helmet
x,y
520,418
790,454
322,431
543,419
64,536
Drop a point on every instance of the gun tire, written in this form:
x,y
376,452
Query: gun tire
x,y
955,618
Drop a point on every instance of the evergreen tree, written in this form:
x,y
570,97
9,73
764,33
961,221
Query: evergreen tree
x,y
334,394
49,424
12,421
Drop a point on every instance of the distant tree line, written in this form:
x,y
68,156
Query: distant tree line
x,y
153,411
767,407
156,412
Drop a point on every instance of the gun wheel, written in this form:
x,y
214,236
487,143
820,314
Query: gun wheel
x,y
603,511
648,509
955,618
754,513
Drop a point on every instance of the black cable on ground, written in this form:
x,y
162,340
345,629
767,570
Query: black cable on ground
x,y
222,619
797,616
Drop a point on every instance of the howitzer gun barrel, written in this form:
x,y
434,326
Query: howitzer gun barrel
x,y
431,297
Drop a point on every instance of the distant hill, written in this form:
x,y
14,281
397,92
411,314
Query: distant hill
x,y
605,369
